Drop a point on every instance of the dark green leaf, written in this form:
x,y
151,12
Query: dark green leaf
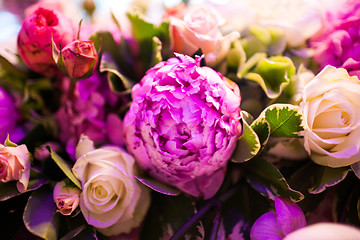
x,y
327,177
284,119
262,129
267,180
39,214
12,69
64,167
158,186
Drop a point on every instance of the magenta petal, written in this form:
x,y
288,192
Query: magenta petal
x,y
289,215
266,227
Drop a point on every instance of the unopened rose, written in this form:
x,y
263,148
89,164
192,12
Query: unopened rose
x,y
34,39
79,58
328,231
15,166
66,198
200,28
183,125
331,110
112,200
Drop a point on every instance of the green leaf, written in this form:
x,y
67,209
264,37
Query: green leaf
x,y
262,129
157,46
158,186
268,181
273,74
11,68
9,143
118,82
64,167
284,119
356,169
166,215
251,63
327,177
39,214
248,145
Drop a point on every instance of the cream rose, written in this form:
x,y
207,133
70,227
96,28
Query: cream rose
x,y
199,28
15,165
328,231
331,111
112,200
66,198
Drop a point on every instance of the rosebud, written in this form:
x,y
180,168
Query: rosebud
x,y
66,198
77,59
34,39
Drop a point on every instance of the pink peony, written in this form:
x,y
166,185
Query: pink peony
x,y
34,39
183,125
339,43
88,112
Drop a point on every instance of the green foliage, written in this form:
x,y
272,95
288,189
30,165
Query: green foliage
x,y
284,120
64,167
158,186
267,180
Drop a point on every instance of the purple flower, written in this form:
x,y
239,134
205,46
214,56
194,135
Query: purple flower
x,y
9,118
183,125
89,112
339,43
276,225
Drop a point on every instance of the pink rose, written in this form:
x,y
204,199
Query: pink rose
x,y
79,58
15,165
34,39
199,28
66,198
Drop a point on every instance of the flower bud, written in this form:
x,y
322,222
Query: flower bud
x,y
78,58
66,198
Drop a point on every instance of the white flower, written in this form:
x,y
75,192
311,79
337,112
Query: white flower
x,y
112,200
331,111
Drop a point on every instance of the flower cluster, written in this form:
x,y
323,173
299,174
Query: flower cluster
x,y
236,120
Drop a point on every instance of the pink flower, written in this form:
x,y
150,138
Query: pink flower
x,y
34,39
79,58
183,125
15,166
199,28
339,43
276,225
88,112
66,198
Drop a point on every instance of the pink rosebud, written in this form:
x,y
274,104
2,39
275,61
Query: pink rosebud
x,y
15,165
79,58
34,39
66,198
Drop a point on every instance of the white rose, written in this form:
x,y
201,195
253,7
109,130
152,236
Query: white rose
x,y
112,200
328,231
331,111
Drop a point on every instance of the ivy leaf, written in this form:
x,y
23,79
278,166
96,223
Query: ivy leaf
x,y
158,186
248,145
39,214
273,74
262,129
64,167
284,120
327,177
268,181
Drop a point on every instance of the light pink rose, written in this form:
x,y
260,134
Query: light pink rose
x,y
15,165
199,28
66,198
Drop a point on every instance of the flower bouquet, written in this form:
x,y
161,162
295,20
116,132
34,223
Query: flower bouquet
x,y
236,120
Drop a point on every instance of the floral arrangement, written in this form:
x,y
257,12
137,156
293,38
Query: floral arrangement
x,y
222,121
